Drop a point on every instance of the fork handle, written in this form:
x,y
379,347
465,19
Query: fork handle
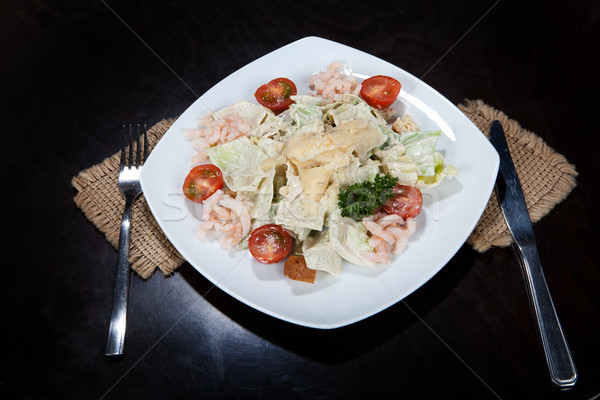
x,y
118,318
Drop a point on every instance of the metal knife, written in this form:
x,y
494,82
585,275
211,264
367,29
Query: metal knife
x,y
508,188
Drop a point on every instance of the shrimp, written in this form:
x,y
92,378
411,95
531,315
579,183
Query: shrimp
x,y
227,215
382,249
241,211
411,226
389,234
223,213
400,245
209,204
238,127
396,232
192,133
201,145
199,158
229,241
377,230
206,119
333,83
227,227
334,67
211,132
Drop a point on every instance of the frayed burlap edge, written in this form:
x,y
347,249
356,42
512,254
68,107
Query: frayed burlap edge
x,y
492,230
146,253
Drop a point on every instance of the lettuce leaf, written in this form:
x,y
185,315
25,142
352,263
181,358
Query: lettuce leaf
x,y
441,171
350,108
271,147
356,173
320,255
420,147
307,100
297,208
395,162
368,171
254,113
349,238
260,199
305,113
239,161
301,233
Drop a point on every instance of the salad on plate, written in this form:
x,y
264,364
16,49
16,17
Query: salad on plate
x,y
314,178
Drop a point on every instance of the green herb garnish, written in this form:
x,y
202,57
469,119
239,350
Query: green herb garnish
x,y
361,199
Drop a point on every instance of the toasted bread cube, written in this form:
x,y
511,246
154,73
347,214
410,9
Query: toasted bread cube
x,y
405,124
295,268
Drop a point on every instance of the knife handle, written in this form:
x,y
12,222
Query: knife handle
x,y
558,356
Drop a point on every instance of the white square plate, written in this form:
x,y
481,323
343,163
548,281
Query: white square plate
x,y
449,214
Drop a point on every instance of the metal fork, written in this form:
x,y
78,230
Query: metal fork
x,y
129,186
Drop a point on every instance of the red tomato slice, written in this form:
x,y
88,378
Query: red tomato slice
x,y
275,95
407,202
269,244
380,91
202,182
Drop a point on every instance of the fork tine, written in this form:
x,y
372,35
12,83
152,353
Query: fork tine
x,y
145,142
138,147
123,148
130,147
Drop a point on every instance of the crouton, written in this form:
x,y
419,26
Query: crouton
x,y
405,124
295,268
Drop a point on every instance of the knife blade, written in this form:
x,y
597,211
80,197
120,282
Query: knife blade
x,y
562,369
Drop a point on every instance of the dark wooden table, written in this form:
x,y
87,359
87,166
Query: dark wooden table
x,y
71,72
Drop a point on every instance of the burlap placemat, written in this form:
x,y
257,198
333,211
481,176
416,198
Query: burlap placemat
x,y
546,176
100,200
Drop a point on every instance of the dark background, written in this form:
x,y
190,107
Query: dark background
x,y
72,72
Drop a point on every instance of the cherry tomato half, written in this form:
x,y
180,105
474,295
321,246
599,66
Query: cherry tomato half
x,y
380,91
202,182
407,202
275,95
269,244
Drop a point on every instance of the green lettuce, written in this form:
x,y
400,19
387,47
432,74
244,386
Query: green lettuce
x,y
271,147
356,173
305,113
349,238
307,100
262,198
351,108
396,163
297,208
441,171
254,113
368,171
239,161
420,147
301,233
320,255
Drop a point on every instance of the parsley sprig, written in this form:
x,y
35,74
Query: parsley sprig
x,y
361,199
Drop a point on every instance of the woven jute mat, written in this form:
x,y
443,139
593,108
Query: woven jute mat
x,y
546,177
